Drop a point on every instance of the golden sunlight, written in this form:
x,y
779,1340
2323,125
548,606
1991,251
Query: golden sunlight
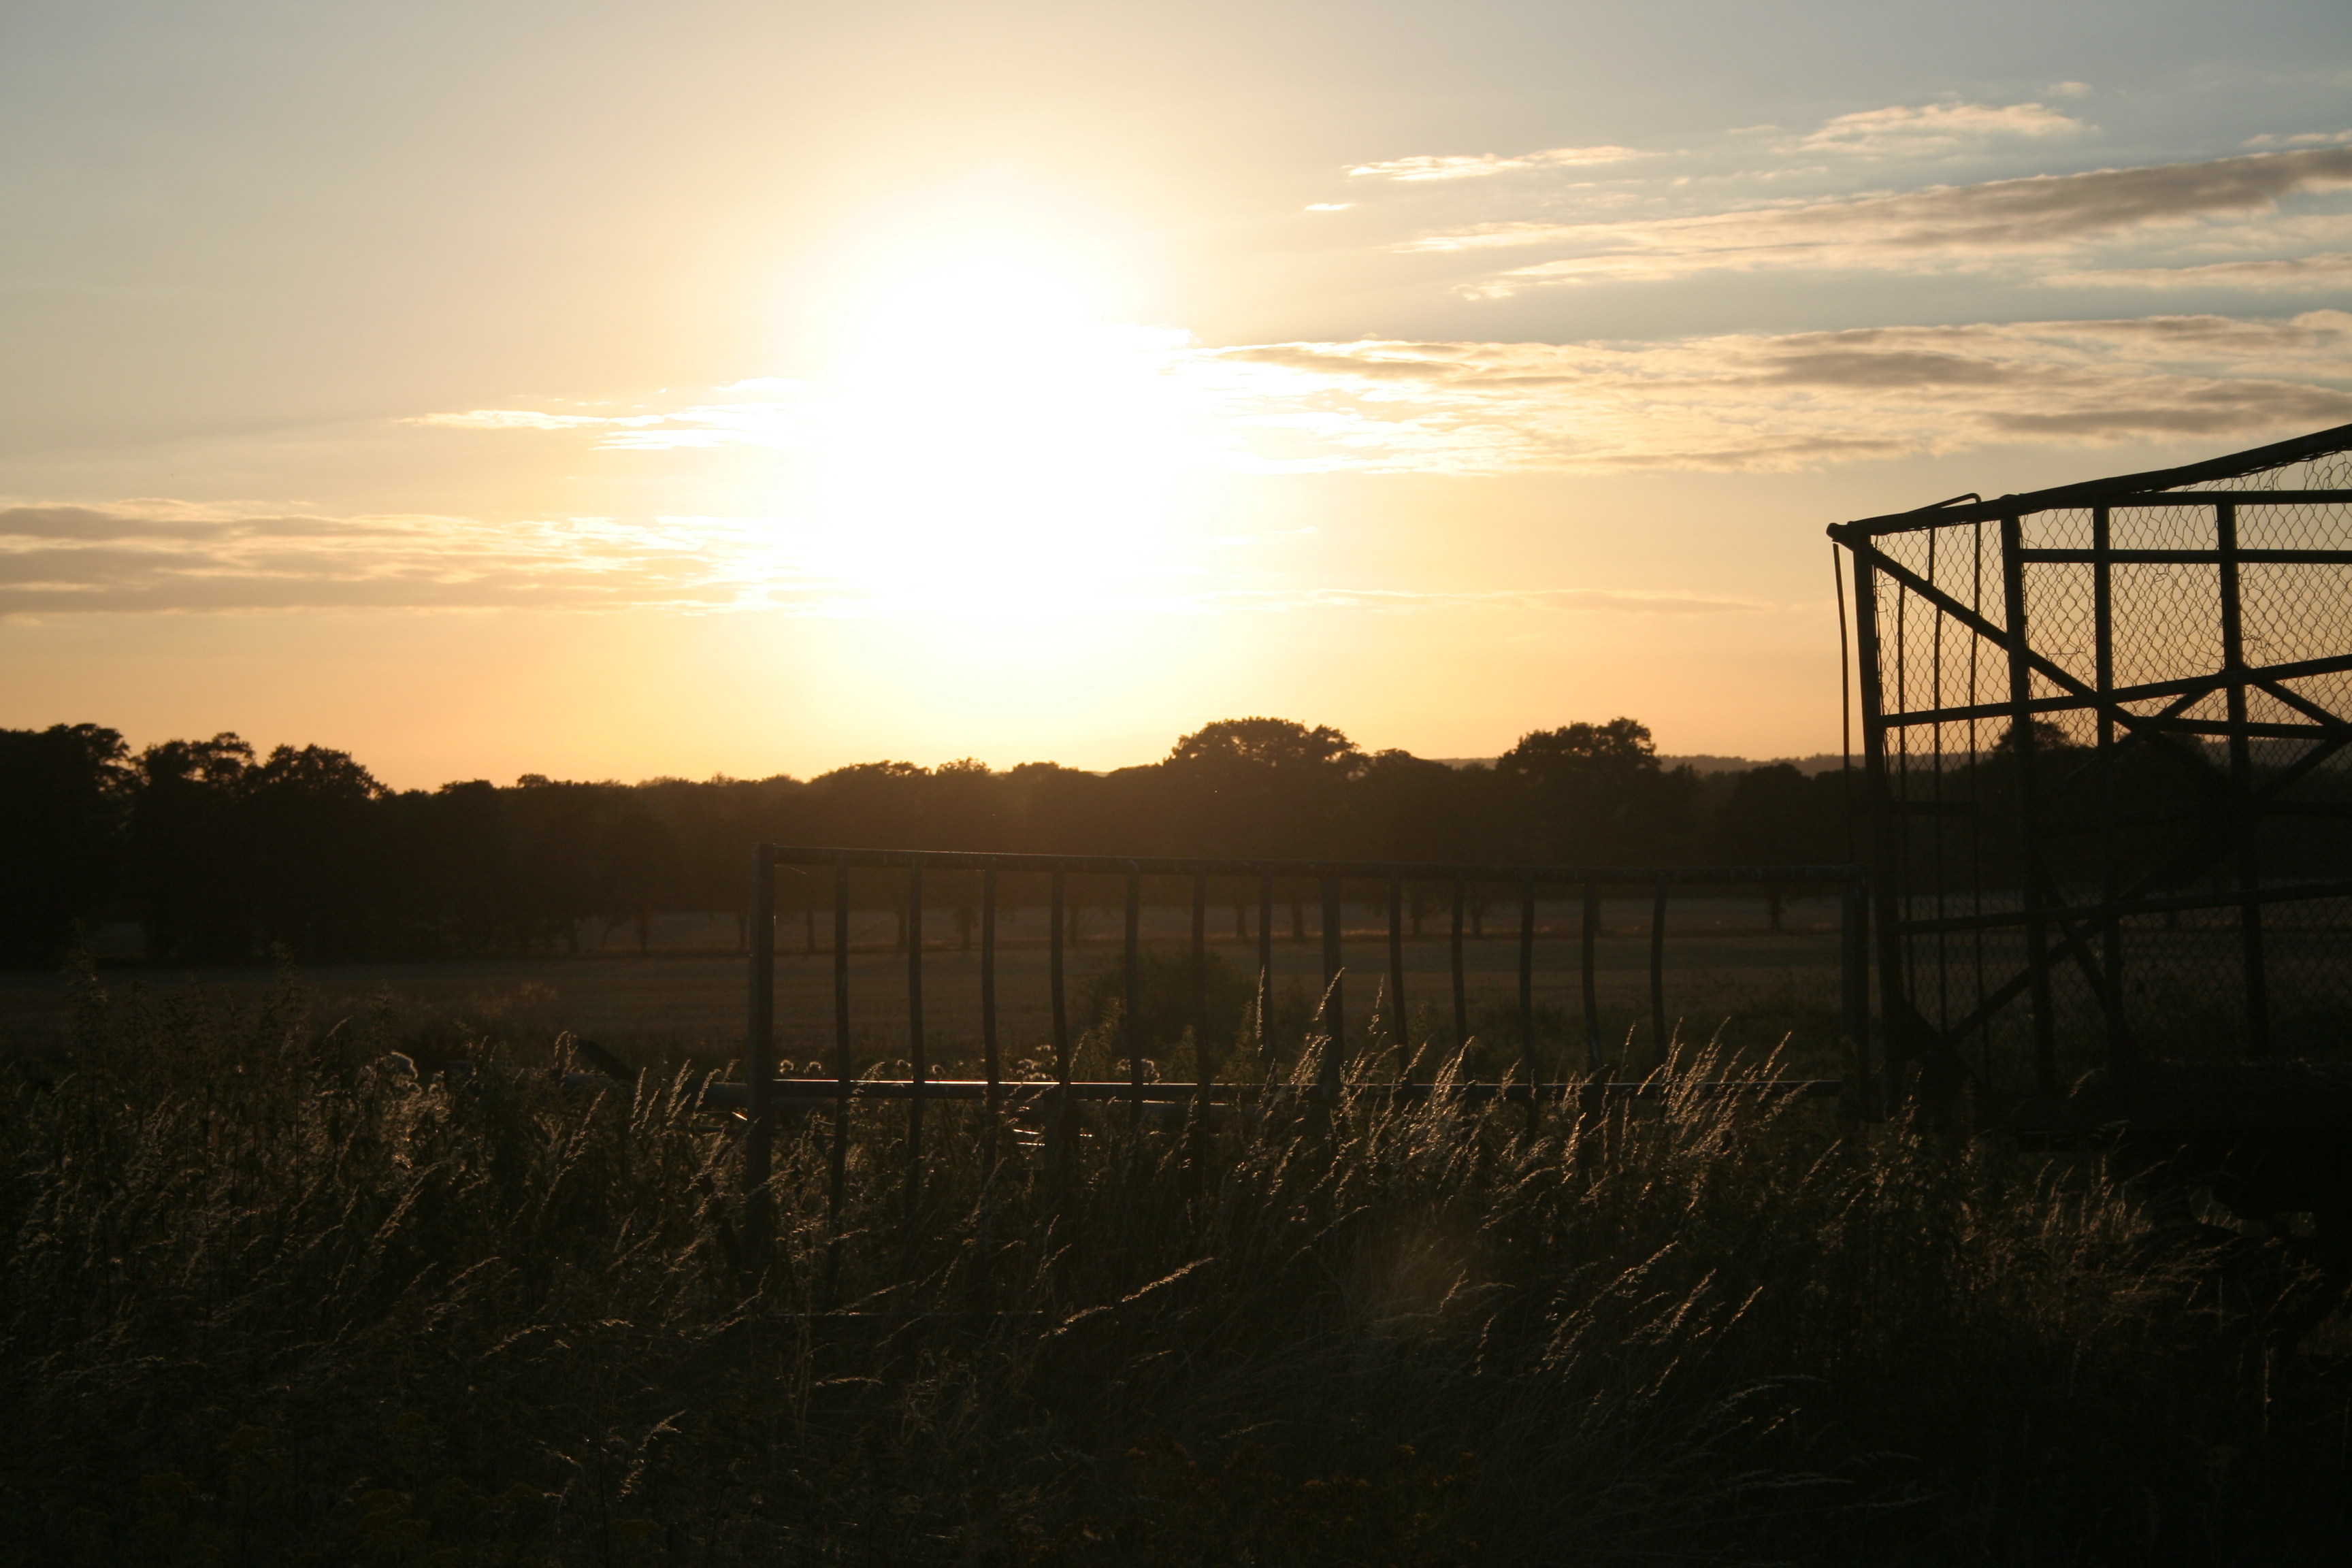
x,y
991,440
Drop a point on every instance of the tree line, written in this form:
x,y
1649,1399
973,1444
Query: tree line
x,y
223,854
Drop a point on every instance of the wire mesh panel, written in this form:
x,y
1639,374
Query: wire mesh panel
x,y
2107,737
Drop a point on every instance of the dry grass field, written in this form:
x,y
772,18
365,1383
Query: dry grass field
x,y
264,1299
1729,976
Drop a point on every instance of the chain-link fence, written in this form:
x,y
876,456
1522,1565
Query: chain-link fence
x,y
2108,762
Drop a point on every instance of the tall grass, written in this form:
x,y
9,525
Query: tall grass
x,y
266,1299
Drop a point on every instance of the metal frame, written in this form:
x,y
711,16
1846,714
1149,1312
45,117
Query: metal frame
x,y
1936,838
763,1091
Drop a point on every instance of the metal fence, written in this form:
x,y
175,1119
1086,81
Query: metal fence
x,y
2105,753
1213,1084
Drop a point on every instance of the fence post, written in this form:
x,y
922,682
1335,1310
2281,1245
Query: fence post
x,y
1265,972
1461,985
1334,1009
2028,852
1528,996
1886,841
1853,990
919,1066
1061,1126
760,1055
1658,971
2245,822
1131,1024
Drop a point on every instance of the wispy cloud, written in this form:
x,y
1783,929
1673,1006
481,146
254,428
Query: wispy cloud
x,y
1478,167
1752,402
1940,226
1929,128
175,556
2326,269
2304,139
775,424
1404,601
163,556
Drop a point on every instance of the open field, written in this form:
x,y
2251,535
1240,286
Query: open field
x,y
1726,971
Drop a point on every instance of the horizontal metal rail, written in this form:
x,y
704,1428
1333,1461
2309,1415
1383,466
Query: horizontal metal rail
x,y
1348,871
1025,1092
2294,892
2189,557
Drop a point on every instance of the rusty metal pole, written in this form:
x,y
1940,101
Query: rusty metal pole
x,y
1527,1068
1399,1024
759,1057
1658,970
1853,989
2028,814
1334,1009
917,1061
1461,981
2246,821
1130,1018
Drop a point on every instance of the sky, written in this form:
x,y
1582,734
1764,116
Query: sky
x,y
607,390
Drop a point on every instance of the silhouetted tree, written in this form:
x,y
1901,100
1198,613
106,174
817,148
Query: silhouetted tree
x,y
191,864
1595,794
62,792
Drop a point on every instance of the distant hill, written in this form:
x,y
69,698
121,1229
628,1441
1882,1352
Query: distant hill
x,y
1819,763
1704,762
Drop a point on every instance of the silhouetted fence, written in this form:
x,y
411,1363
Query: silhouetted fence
x,y
2107,739
1211,1084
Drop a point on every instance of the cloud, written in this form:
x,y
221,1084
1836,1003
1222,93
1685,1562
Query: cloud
x,y
2307,139
163,556
774,424
1935,126
1938,227
1417,170
528,419
2327,270
1403,601
1759,403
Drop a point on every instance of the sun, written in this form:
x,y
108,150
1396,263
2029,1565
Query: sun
x,y
992,437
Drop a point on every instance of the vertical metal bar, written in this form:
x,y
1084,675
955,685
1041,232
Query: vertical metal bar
x,y
2245,822
760,1052
1885,845
1265,969
1060,1129
1335,1007
1590,932
991,1057
919,1066
1461,986
1899,781
1658,970
2103,646
837,1184
2020,732
1130,1014
1854,988
1936,796
1528,1069
1398,1025
1976,799
1204,1057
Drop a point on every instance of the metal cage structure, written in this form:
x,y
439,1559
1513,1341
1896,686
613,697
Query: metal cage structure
x,y
2107,770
